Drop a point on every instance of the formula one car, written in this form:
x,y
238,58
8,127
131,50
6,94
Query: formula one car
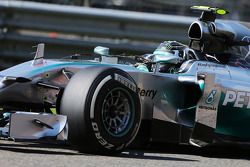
x,y
197,94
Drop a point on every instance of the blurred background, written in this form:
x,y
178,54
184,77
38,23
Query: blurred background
x,y
239,8
76,26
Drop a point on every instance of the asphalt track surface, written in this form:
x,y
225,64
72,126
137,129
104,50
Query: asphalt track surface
x,y
15,154
19,154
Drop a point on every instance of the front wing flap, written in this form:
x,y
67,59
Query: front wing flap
x,y
35,126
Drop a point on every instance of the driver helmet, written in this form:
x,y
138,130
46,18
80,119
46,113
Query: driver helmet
x,y
169,52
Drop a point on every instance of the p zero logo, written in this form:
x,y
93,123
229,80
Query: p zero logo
x,y
239,99
210,97
100,139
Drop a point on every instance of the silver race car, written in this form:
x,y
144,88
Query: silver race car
x,y
197,94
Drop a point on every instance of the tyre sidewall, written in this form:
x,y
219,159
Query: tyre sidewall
x,y
106,81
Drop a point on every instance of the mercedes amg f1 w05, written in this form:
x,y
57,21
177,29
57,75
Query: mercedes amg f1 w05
x,y
197,94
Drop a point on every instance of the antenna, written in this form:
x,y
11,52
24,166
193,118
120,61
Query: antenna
x,y
209,13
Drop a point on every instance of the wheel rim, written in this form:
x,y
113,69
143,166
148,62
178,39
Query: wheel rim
x,y
117,112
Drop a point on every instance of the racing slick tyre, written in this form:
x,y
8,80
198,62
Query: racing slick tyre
x,y
103,110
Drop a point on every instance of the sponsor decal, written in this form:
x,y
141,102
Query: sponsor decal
x,y
239,99
100,139
142,92
207,107
126,82
208,65
210,97
212,108
147,93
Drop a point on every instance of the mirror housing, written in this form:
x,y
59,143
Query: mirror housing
x,y
100,50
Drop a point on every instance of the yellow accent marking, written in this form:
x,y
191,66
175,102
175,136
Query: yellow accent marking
x,y
221,11
53,110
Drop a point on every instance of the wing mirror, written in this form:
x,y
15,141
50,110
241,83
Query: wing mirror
x,y
106,58
103,51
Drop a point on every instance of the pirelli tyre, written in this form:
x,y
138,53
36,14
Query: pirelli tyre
x,y
103,110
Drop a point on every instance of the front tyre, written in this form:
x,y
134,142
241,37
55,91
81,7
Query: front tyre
x,y
103,110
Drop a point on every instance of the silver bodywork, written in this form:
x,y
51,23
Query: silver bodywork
x,y
152,85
